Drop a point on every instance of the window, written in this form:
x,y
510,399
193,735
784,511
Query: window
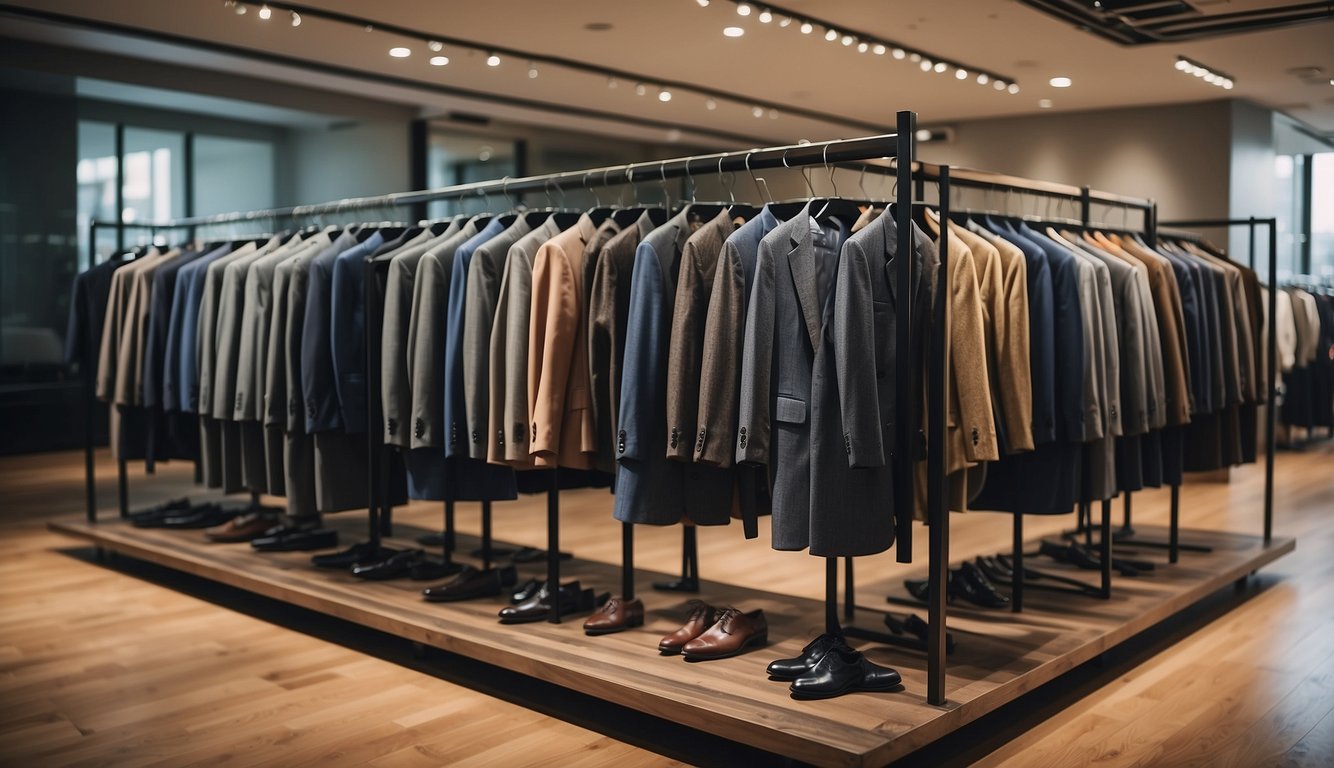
x,y
233,175
454,158
97,182
1322,215
154,185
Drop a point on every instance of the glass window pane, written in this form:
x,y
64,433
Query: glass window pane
x,y
154,184
454,158
1322,215
233,175
96,173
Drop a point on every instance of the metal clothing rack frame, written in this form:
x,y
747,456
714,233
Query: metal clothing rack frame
x,y
901,146
1271,332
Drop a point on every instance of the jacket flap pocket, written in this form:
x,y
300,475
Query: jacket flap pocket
x,y
790,410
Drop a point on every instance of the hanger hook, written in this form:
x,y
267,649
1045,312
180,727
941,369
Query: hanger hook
x,y
728,183
758,181
824,155
690,179
666,195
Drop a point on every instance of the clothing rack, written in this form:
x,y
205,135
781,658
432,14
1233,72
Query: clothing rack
x,y
1271,334
901,146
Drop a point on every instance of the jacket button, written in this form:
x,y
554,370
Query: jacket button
x,y
453,433
310,410
976,437
391,426
676,434
620,441
500,437
474,437
699,441
534,437
847,442
419,428
1113,410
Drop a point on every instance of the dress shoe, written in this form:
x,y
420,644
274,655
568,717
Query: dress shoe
x,y
526,590
296,539
733,633
791,669
363,552
429,568
154,515
702,616
615,615
471,583
569,599
240,528
393,567
431,540
972,585
534,555
205,516
842,670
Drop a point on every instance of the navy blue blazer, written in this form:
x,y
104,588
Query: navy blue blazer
x,y
183,331
318,388
456,408
347,329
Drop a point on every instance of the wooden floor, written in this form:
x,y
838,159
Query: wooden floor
x,y
104,663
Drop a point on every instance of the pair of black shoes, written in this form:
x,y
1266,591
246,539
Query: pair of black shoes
x,y
202,516
567,600
967,582
153,517
295,539
1085,558
412,563
472,583
829,667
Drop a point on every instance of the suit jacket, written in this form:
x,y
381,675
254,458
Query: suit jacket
x,y
852,421
179,383
1012,343
507,432
608,313
649,488
562,432
1171,325
482,292
395,387
169,436
794,276
134,327
347,330
460,432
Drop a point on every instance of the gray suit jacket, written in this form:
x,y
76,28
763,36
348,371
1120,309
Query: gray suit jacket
x,y
396,389
794,277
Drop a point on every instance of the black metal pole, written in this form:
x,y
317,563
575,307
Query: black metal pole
x,y
1106,547
849,591
831,625
372,454
937,515
1017,561
553,546
88,374
122,483
1250,249
908,435
486,534
628,561
1174,530
1273,383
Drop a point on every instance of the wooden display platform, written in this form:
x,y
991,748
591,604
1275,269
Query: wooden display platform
x,y
1000,655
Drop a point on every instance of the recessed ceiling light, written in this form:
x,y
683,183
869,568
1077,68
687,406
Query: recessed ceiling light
x,y
922,134
436,46
1044,103
863,47
960,74
925,65
492,60
766,17
848,39
878,50
982,78
664,95
899,53
733,31
757,111
703,3
1060,82
296,19
400,52
710,104
439,61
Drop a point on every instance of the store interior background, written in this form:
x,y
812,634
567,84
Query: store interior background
x,y
214,111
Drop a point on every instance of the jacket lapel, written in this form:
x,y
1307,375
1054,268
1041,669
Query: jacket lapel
x,y
801,259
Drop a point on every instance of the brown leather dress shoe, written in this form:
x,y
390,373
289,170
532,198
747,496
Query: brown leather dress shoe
x,y
615,615
733,633
240,528
702,616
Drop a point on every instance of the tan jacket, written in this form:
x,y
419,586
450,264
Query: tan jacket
x,y
1171,327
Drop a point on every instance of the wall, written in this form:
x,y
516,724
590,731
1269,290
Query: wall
x,y
348,159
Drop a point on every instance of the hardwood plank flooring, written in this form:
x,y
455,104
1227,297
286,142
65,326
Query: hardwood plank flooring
x,y
79,639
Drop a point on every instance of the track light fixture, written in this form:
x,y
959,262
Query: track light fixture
x,y
1207,74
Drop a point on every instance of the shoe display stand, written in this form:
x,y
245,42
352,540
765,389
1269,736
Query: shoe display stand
x,y
999,655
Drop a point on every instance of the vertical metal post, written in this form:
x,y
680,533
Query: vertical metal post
x,y
1106,549
1174,530
120,187
486,535
628,561
553,546
122,483
906,434
831,625
89,401
1017,561
1273,383
937,515
849,591
372,407
1250,250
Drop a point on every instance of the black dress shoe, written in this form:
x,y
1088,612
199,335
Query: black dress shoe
x,y
155,514
296,539
430,569
534,555
472,583
364,552
842,670
395,566
972,585
207,516
526,590
431,540
791,669
570,599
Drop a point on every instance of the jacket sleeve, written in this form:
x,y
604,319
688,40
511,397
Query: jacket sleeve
x,y
968,360
498,372
1015,355
719,379
347,313
857,367
646,337
682,360
426,367
553,313
478,312
456,419
757,354
601,358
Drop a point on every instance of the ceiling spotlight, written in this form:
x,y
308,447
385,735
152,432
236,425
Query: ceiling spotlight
x,y
1182,65
925,65
611,82
786,21
743,9
733,31
439,61
436,46
831,35
982,78
863,47
296,19
664,95
492,60
710,104
757,111
914,57
1059,82
766,17
400,52
960,74
265,13
240,9
849,39
1044,103
879,49
1227,85
532,71
941,66
773,114
998,84
703,3
807,27
1012,88
640,89
899,53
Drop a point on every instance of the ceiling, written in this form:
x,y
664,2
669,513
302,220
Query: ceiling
x,y
839,91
